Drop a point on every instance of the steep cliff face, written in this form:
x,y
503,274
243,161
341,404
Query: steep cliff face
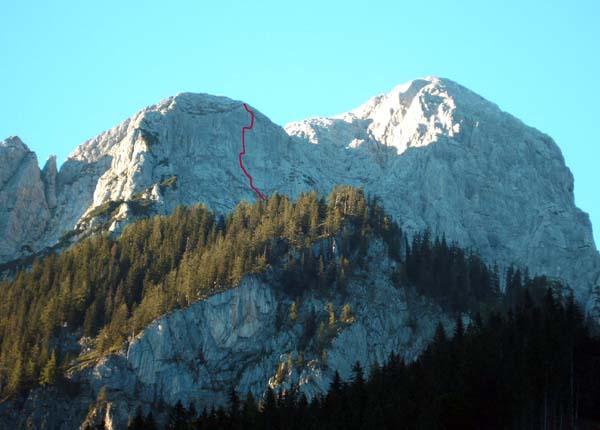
x,y
243,336
24,211
439,156
183,150
455,163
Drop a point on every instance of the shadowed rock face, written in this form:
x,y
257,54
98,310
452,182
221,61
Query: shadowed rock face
x,y
24,211
439,156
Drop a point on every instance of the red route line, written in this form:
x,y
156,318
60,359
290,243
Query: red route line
x,y
244,151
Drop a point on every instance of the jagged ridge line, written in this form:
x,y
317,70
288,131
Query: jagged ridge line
x,y
241,154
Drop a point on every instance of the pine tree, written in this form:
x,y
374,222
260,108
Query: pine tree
x,y
234,404
269,411
15,379
177,417
137,422
150,423
249,412
459,328
293,312
50,371
331,317
346,315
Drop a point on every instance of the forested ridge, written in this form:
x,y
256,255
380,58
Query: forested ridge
x,y
106,289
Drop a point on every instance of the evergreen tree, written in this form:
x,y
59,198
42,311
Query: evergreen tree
x,y
50,372
137,422
293,312
178,419
346,314
150,423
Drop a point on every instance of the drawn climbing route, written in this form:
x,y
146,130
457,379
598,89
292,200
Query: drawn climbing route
x,y
244,151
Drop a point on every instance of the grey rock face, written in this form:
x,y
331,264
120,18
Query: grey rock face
x,y
24,212
49,174
244,338
455,163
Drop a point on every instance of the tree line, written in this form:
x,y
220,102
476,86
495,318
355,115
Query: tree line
x,y
533,367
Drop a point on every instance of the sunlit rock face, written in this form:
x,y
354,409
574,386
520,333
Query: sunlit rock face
x,y
451,161
437,155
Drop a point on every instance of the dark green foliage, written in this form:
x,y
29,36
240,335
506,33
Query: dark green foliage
x,y
110,289
536,368
140,207
170,182
105,209
179,418
138,422
99,426
149,422
459,281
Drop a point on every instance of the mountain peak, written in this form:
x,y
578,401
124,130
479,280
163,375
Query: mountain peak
x,y
14,142
196,103
413,114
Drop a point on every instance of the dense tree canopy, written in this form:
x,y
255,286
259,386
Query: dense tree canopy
x,y
108,289
536,368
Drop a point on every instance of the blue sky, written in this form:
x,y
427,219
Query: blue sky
x,y
69,70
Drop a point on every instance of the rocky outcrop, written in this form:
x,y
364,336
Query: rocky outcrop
x,y
49,174
243,338
24,212
234,339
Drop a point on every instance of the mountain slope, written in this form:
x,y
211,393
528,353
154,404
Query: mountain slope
x,y
457,164
439,156
288,294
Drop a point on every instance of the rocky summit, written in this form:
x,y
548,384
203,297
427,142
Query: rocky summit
x,y
438,156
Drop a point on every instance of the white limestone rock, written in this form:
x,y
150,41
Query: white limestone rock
x,y
455,163
439,156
